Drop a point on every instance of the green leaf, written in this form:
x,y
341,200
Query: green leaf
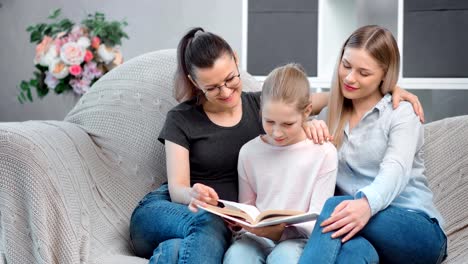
x,y
54,14
34,83
30,28
36,36
20,100
29,95
41,27
22,96
24,86
60,88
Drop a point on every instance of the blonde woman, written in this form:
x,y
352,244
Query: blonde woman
x,y
387,213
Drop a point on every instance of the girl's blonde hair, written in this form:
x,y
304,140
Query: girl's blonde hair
x,y
380,44
288,84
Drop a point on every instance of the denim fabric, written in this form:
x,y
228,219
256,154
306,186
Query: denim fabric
x,y
398,235
170,233
249,248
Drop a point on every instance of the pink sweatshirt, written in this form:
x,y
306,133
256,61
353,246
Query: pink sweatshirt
x,y
301,176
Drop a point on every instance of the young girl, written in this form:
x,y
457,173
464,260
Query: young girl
x,y
388,212
282,169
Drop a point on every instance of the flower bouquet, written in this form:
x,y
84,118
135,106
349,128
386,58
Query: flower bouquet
x,y
72,57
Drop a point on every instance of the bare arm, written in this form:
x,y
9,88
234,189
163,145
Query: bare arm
x,y
178,172
178,176
319,101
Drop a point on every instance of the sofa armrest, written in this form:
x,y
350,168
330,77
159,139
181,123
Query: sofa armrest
x,y
41,213
61,199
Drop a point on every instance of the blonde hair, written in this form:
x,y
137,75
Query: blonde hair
x,y
380,44
288,84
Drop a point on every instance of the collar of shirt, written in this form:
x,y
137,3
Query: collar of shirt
x,y
379,108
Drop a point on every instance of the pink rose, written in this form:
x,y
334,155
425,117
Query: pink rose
x,y
75,70
88,56
42,48
71,53
95,42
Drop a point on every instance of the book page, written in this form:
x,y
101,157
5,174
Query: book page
x,y
289,220
252,211
277,213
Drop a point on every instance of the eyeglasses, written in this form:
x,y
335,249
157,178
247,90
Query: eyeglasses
x,y
231,83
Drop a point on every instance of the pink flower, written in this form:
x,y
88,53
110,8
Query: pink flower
x,y
42,48
95,42
75,70
88,56
71,53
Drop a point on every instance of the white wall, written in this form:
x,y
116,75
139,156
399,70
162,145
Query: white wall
x,y
153,25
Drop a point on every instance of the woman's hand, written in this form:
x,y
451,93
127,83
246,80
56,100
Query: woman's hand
x,y
317,130
349,217
399,94
201,195
273,232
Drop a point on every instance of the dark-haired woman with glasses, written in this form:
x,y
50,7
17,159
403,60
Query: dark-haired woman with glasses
x,y
202,137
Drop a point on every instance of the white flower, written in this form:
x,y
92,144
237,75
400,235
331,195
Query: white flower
x,y
106,54
84,42
72,54
50,80
58,69
50,56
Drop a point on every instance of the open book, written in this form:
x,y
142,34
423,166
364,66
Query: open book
x,y
250,216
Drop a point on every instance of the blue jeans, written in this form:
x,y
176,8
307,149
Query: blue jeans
x,y
249,248
396,234
170,233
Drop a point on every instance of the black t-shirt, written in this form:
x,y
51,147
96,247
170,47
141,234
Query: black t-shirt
x,y
213,149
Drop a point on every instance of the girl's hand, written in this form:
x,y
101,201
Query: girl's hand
x,y
399,94
201,195
349,217
233,226
272,232
317,130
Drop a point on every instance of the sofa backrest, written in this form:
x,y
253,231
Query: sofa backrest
x,y
125,110
446,160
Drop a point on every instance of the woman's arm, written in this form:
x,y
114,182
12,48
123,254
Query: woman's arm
x,y
178,176
405,139
178,172
319,101
399,94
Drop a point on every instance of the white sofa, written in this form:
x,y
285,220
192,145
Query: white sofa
x,y
68,188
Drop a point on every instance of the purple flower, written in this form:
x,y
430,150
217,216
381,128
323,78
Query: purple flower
x,y
80,86
91,71
50,80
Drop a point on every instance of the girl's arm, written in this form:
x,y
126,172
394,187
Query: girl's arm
x,y
178,176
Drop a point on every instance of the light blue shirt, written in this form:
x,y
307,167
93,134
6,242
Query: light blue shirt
x,y
381,158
